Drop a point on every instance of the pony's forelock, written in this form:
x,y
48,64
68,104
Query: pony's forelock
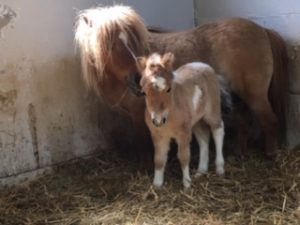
x,y
95,31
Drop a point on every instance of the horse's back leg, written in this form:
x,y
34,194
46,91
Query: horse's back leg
x,y
218,135
202,134
254,92
241,121
267,119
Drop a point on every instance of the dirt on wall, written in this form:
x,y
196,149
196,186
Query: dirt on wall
x,y
6,16
46,115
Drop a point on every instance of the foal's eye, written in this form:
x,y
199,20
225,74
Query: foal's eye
x,y
168,90
152,66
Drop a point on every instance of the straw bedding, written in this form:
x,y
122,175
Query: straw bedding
x,y
106,189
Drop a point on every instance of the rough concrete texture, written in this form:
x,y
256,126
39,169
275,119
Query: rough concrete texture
x,y
293,115
46,113
159,13
294,55
6,15
46,116
293,120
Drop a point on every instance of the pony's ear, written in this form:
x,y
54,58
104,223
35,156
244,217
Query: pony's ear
x,y
167,60
141,64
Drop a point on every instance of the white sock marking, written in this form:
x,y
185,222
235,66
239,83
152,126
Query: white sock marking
x,y
186,179
158,177
218,135
202,136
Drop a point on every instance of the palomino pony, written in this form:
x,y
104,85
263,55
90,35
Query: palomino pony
x,y
178,104
251,58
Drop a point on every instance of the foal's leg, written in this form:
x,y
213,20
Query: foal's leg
x,y
218,135
184,157
161,145
202,134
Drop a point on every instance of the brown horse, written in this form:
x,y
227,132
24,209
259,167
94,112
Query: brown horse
x,y
179,103
251,58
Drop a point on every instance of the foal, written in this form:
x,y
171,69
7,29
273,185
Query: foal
x,y
177,104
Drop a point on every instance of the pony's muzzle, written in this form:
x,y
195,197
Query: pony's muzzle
x,y
159,122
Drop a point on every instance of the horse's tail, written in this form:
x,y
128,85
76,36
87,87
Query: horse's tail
x,y
226,99
96,32
279,83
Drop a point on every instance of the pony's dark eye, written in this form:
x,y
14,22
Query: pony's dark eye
x,y
152,66
168,90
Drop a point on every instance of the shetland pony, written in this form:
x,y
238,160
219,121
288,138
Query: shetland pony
x,y
178,104
251,58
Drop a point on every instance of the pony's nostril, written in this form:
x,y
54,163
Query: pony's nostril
x,y
164,120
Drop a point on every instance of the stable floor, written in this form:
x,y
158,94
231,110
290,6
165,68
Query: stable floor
x,y
108,190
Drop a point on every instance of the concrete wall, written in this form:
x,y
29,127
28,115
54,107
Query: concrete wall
x,y
282,16
171,14
46,114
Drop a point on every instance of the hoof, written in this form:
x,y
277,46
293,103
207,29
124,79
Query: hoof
x,y
270,161
157,185
240,158
270,157
220,170
200,173
186,184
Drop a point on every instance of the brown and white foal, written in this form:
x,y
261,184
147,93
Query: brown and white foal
x,y
179,103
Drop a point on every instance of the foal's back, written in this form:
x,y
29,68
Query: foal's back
x,y
198,83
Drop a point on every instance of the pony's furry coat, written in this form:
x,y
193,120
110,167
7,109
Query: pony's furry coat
x,y
251,58
177,104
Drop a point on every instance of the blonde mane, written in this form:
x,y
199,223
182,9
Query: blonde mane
x,y
94,31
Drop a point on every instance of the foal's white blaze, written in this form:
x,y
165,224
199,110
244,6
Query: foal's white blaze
x,y
155,58
218,135
159,82
196,97
158,177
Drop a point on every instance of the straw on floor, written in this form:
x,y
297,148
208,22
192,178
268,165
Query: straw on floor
x,y
108,190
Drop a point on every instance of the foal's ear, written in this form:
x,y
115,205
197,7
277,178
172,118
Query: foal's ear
x,y
141,64
167,60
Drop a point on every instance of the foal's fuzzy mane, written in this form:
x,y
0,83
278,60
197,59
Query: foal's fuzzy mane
x,y
95,31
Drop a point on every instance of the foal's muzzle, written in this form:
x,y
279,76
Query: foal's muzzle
x,y
160,122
